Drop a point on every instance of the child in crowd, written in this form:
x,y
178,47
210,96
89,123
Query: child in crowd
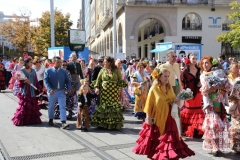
x,y
84,101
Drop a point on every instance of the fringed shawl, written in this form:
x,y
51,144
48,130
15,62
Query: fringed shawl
x,y
157,105
32,77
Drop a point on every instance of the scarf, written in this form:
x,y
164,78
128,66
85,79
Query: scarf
x,y
157,105
140,78
31,77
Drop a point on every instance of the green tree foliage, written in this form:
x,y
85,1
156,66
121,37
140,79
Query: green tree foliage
x,y
42,38
18,30
233,36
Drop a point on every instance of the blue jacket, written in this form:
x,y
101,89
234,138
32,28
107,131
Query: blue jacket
x,y
51,78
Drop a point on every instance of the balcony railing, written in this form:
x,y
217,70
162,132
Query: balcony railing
x,y
152,1
194,1
192,26
225,27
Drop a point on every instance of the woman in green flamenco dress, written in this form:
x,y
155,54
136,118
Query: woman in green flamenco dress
x,y
108,113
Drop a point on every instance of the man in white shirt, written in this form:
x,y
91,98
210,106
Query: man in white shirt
x,y
8,72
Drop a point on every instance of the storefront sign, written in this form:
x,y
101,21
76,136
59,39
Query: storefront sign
x,y
214,22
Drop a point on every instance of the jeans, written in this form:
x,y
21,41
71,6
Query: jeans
x,y
60,97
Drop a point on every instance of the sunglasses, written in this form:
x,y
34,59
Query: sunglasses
x,y
100,61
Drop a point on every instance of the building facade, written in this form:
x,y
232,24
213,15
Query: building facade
x,y
143,23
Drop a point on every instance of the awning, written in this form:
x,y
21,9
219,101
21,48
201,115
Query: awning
x,y
161,47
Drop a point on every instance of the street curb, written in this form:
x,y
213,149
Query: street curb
x,y
3,152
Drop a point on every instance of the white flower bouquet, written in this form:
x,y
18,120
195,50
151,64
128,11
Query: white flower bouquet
x,y
185,95
19,75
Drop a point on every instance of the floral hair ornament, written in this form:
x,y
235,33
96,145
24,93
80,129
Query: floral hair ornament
x,y
214,61
155,73
186,61
178,60
25,57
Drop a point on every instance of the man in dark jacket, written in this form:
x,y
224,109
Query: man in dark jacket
x,y
75,70
97,69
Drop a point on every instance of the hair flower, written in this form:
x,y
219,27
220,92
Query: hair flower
x,y
214,61
155,73
186,61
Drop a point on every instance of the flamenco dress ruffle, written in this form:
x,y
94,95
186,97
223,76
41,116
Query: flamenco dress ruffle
x,y
27,112
148,140
168,146
235,134
109,113
2,81
216,131
171,146
192,120
192,117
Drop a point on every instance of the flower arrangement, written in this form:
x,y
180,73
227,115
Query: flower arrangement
x,y
19,75
185,95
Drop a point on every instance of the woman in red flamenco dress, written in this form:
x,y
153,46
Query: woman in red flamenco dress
x,y
192,115
159,139
28,110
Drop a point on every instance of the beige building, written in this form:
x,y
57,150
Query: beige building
x,y
143,23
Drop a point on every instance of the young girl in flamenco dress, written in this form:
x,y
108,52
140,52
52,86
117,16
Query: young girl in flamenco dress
x,y
159,138
28,110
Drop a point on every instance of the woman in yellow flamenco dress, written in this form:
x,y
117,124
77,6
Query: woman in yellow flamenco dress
x,y
141,82
159,138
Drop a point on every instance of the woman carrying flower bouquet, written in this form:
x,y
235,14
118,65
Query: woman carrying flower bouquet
x,y
141,82
28,109
215,125
192,115
108,113
159,138
2,78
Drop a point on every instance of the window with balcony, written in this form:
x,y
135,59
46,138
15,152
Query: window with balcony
x,y
227,22
191,21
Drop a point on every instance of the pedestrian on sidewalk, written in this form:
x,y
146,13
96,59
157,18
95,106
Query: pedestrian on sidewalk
x,y
28,110
84,101
55,79
2,78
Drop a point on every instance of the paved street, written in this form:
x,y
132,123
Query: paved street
x,y
44,142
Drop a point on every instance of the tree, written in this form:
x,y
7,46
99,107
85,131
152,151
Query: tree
x,y
233,36
18,30
42,37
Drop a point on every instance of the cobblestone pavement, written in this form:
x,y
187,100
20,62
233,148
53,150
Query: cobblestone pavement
x,y
53,143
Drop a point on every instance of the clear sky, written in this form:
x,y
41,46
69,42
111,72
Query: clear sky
x,y
8,7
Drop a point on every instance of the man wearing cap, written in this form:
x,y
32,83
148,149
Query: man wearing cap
x,y
97,69
75,70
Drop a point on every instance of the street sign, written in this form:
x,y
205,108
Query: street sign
x,y
76,39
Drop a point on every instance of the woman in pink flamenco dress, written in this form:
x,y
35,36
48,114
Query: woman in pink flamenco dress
x,y
159,139
28,110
